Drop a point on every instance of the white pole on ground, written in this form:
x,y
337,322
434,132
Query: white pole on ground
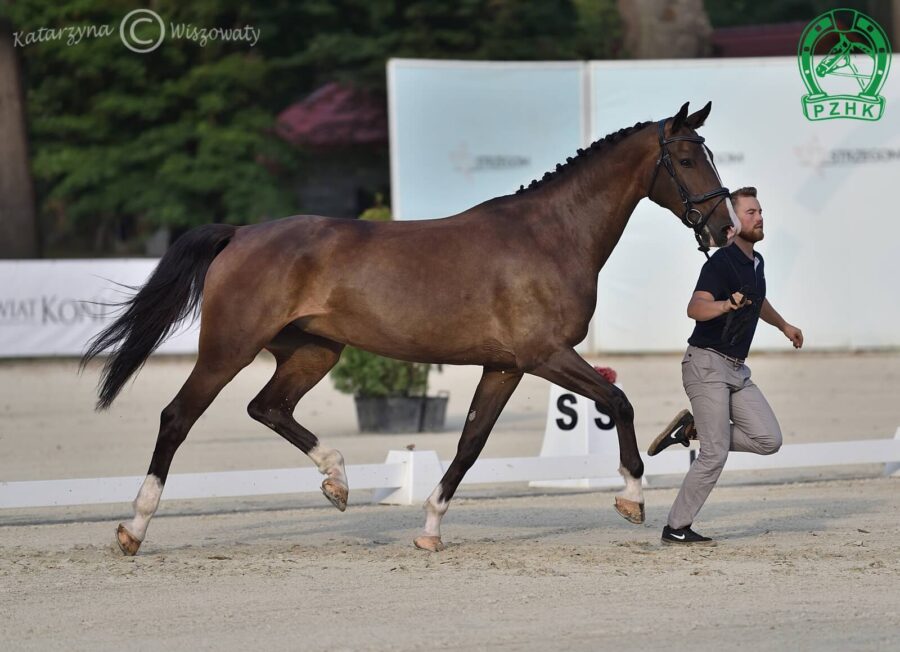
x,y
420,470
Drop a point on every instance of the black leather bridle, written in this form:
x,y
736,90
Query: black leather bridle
x,y
697,223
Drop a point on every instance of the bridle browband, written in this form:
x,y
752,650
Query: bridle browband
x,y
665,160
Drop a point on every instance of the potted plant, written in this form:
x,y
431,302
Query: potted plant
x,y
390,395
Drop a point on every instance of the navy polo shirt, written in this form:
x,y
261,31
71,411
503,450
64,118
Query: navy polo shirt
x,y
726,272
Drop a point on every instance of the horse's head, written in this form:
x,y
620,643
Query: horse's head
x,y
686,182
837,57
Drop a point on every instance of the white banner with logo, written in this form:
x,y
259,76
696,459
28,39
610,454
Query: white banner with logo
x,y
53,307
826,187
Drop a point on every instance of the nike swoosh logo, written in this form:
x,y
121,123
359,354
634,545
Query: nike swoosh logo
x,y
680,537
673,436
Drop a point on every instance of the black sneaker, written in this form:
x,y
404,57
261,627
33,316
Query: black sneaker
x,y
679,431
685,536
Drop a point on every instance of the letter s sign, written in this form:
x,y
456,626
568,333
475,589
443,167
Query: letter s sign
x,y
564,404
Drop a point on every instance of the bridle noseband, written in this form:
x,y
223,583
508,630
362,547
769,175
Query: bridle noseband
x,y
697,223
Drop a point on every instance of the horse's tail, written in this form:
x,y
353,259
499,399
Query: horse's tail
x,y
172,293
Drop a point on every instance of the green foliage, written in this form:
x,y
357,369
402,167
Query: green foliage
x,y
762,12
379,212
359,36
365,374
183,135
600,32
177,137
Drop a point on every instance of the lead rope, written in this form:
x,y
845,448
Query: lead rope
x,y
737,320
704,248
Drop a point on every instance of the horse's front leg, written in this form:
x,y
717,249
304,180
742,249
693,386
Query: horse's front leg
x,y
491,396
569,370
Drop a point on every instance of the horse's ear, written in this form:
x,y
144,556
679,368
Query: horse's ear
x,y
680,117
696,120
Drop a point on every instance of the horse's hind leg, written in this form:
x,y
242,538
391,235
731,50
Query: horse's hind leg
x,y
491,396
222,353
302,361
209,376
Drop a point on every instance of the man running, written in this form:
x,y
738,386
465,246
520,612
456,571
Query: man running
x,y
730,412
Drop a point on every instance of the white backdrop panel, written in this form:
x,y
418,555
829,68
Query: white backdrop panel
x,y
45,307
463,132
831,228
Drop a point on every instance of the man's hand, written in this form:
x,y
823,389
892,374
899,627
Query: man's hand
x,y
703,305
794,334
736,302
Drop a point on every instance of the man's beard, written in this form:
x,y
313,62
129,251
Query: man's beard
x,y
753,235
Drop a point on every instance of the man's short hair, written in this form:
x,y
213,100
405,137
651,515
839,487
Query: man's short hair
x,y
746,191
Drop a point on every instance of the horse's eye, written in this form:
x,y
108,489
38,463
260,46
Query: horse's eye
x,y
686,163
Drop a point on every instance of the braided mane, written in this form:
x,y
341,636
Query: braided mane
x,y
598,145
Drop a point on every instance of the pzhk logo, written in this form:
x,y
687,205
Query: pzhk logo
x,y
854,67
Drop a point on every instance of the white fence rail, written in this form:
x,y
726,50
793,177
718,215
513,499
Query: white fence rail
x,y
225,484
408,477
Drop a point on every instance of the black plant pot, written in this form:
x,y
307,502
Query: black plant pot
x,y
401,413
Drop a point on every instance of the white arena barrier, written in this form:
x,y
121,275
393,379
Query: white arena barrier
x,y
408,477
225,484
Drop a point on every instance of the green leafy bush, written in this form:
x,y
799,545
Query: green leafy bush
x,y
379,212
365,374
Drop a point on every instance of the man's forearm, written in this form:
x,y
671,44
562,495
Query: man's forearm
x,y
769,315
706,309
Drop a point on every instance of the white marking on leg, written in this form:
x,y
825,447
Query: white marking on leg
x,y
633,489
472,415
434,512
145,506
329,462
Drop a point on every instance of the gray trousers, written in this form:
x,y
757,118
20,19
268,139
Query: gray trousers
x,y
720,394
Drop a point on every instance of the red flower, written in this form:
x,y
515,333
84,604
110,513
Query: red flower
x,y
608,373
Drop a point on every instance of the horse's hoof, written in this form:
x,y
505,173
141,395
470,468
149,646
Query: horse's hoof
x,y
127,543
630,510
432,544
336,493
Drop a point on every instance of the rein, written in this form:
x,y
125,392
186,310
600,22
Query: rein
x,y
687,199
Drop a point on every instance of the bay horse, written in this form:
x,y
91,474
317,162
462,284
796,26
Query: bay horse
x,y
509,285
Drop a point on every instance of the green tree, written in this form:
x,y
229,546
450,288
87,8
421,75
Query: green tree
x,y
176,137
123,143
359,36
761,12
